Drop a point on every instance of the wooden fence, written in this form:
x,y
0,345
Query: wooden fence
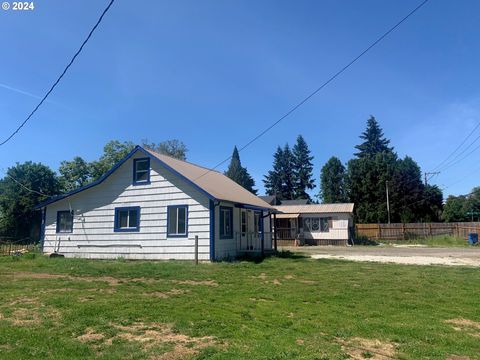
x,y
415,230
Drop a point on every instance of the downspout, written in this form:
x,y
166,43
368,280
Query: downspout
x,y
42,228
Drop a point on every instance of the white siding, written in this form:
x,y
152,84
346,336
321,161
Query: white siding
x,y
93,230
339,230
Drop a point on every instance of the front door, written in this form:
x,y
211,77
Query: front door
x,y
244,229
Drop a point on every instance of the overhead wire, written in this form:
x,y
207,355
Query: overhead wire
x,y
61,75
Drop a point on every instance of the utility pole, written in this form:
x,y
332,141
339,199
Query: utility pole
x,y
388,201
430,173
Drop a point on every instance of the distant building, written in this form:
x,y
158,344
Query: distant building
x,y
313,224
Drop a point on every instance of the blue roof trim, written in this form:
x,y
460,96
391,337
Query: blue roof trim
x,y
112,170
88,186
169,168
252,207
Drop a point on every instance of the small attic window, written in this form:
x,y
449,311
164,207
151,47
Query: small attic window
x,y
141,171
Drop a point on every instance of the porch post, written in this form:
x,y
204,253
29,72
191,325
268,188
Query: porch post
x,y
262,226
275,231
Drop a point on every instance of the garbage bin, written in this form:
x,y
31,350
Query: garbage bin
x,y
472,239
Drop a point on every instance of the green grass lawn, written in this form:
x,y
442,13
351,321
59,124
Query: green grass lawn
x,y
281,308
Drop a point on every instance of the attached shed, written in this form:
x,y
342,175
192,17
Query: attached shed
x,y
152,206
314,224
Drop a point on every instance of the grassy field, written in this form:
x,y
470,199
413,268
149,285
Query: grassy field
x,y
282,308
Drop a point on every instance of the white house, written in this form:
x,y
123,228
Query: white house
x,y
314,224
152,206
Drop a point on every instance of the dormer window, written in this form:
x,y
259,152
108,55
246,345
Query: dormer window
x,y
141,171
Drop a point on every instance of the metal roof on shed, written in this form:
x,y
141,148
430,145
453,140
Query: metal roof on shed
x,y
316,208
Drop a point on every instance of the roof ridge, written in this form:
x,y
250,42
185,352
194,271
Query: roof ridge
x,y
174,158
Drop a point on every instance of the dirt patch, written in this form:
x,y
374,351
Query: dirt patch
x,y
308,282
288,277
30,275
90,336
360,348
405,260
262,276
465,325
300,341
166,294
28,311
260,299
25,300
151,336
24,317
457,357
196,282
276,282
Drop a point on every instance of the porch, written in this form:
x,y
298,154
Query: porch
x,y
287,229
253,242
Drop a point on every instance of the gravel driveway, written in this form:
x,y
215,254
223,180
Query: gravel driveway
x,y
399,255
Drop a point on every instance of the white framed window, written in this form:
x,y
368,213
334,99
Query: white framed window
x,y
141,171
177,221
64,221
127,219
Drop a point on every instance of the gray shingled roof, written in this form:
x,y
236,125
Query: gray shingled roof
x,y
213,182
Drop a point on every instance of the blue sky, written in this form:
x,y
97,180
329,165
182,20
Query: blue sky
x,y
215,73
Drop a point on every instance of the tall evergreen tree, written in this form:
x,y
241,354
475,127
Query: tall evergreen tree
x,y
407,191
366,181
280,180
374,140
273,180
239,174
288,174
332,182
303,169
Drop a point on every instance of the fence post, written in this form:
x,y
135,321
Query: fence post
x,y
403,230
430,229
378,232
196,249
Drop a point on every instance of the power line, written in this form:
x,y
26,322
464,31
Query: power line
x,y
333,77
24,186
458,147
61,75
449,165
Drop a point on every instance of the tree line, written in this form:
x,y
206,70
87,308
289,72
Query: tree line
x,y
26,185
363,180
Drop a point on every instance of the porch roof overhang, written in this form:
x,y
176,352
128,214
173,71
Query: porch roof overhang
x,y
287,216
